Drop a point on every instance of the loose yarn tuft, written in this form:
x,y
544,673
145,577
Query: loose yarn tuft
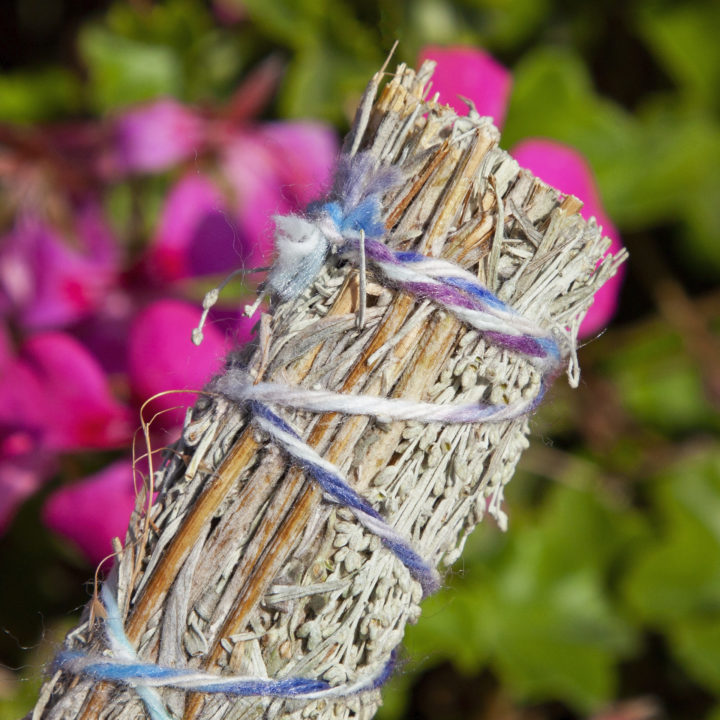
x,y
350,225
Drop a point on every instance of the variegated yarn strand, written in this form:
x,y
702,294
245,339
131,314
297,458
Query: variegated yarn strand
x,y
247,570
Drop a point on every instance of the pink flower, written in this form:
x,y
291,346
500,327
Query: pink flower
x,y
55,398
476,75
48,280
305,154
155,137
565,169
57,388
212,222
276,169
24,465
196,235
92,511
473,74
162,357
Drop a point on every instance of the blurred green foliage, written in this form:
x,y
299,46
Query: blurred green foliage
x,y
674,585
535,605
28,97
615,530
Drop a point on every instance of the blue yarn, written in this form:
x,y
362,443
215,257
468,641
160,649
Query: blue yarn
x,y
477,291
550,347
343,494
409,256
146,677
333,209
116,633
365,216
137,674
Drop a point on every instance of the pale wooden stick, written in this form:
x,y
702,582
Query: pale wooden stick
x,y
246,569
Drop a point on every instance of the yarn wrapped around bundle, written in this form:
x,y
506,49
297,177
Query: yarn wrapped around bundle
x,y
419,315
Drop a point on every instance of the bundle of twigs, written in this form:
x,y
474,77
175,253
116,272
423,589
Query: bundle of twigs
x,y
239,566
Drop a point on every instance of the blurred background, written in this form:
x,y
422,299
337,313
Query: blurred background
x,y
143,147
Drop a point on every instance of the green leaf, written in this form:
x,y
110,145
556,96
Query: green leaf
x,y
124,71
495,24
293,22
435,22
659,166
675,584
316,80
659,383
38,96
334,54
213,67
538,609
684,39
174,23
507,23
697,646
211,58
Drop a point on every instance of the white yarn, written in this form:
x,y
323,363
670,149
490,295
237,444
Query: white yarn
x,y
235,384
301,250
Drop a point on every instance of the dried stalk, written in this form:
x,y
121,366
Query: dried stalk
x,y
245,568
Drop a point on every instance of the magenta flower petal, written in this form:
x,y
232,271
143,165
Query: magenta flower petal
x,y
305,154
6,351
93,511
155,137
76,408
565,169
473,74
276,169
48,281
52,397
245,327
24,466
234,325
22,398
251,168
162,357
197,235
187,203
95,236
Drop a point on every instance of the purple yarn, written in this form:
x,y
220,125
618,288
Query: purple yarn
x,y
380,253
459,292
336,487
359,187
519,343
479,292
